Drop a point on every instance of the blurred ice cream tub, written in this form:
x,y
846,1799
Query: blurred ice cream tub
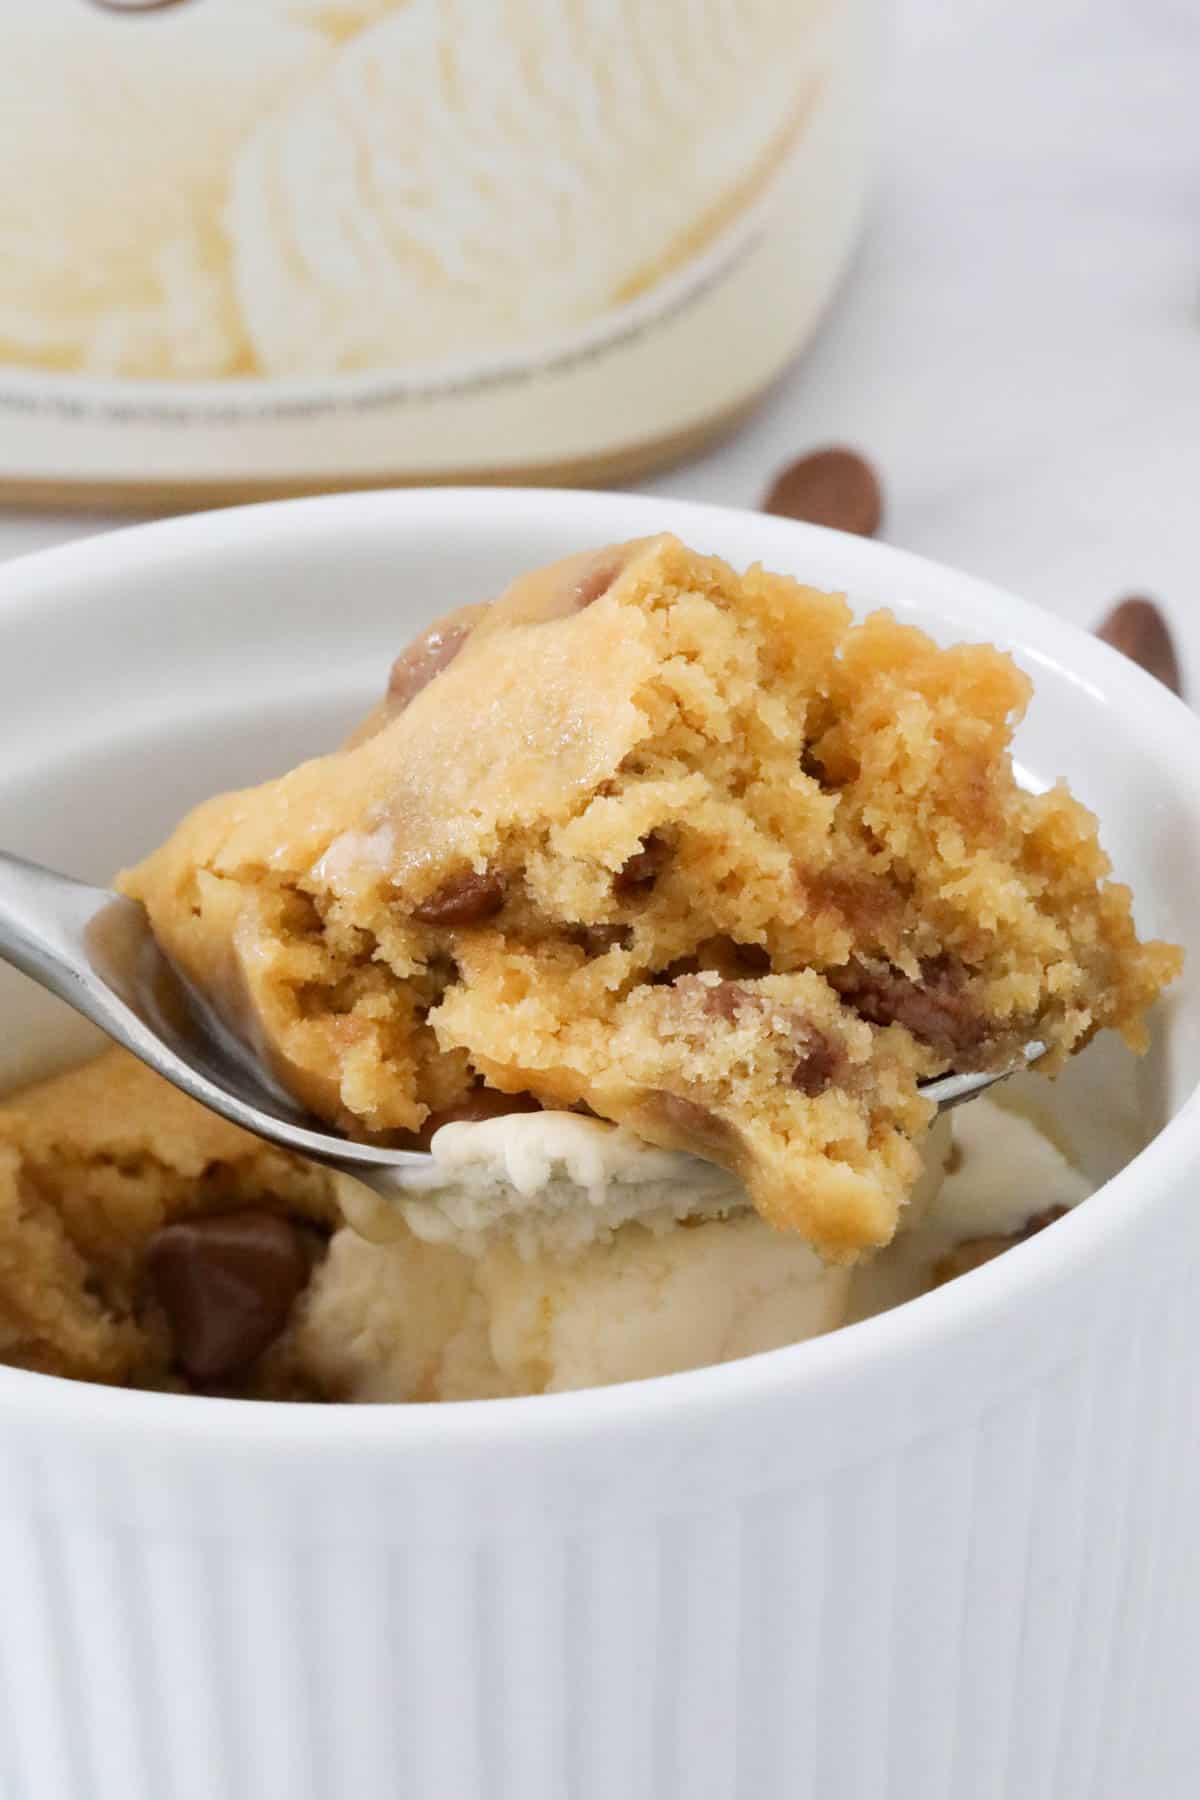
x,y
255,246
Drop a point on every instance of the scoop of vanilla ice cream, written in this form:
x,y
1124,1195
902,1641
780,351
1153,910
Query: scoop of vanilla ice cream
x,y
558,1252
649,1304
409,1320
116,139
620,1298
465,177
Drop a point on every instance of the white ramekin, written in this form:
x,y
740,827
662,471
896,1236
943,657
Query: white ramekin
x,y
947,1554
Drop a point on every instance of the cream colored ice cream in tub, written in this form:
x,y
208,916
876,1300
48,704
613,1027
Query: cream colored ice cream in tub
x,y
261,244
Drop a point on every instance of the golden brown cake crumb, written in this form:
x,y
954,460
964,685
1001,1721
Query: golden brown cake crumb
x,y
689,848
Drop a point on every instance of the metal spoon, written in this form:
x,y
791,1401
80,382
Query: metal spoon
x,y
96,951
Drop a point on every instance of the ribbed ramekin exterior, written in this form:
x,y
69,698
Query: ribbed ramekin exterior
x,y
968,1578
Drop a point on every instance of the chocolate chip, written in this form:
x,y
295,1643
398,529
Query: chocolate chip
x,y
426,657
1040,1220
722,999
819,1057
1138,629
937,1009
819,1062
227,1284
643,868
832,487
480,1104
690,1119
463,900
595,583
725,999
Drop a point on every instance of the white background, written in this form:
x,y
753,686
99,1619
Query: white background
x,y
1018,343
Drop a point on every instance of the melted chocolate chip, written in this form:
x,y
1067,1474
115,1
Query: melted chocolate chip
x,y
723,999
937,1009
594,584
644,867
426,657
690,1119
463,900
227,1284
819,1062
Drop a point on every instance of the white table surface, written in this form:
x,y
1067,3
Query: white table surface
x,y
1018,343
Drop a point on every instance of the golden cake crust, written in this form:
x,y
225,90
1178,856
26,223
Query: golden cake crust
x,y
92,1163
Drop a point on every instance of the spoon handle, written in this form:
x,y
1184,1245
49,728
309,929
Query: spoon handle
x,y
44,922
95,950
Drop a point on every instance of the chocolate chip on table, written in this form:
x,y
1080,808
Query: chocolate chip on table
x,y
480,1104
227,1283
1137,628
641,871
136,5
937,1009
463,900
834,487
